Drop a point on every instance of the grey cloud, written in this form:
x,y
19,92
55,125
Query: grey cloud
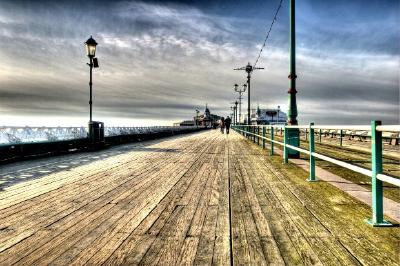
x,y
163,62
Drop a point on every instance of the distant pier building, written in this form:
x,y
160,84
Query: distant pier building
x,y
269,116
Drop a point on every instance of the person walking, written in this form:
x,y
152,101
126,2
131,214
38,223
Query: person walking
x,y
227,124
222,124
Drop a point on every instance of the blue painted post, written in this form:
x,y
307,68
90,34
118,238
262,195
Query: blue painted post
x,y
285,149
377,186
263,134
311,150
271,151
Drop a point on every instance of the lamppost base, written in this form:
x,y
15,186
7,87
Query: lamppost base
x,y
96,135
384,223
294,140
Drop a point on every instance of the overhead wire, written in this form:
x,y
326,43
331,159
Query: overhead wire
x,y
268,33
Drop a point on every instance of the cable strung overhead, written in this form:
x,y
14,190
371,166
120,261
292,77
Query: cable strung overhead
x,y
268,32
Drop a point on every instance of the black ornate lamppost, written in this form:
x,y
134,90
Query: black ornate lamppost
x,y
96,129
240,92
91,52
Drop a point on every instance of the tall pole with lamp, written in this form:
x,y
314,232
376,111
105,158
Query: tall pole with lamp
x,y
91,45
240,92
236,104
293,133
249,69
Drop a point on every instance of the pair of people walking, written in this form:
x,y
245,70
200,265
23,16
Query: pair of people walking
x,y
225,124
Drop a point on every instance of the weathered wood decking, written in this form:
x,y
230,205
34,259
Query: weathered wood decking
x,y
204,198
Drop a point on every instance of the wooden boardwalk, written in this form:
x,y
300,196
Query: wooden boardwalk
x,y
202,199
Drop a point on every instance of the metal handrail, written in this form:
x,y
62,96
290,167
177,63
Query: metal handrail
x,y
375,173
12,135
386,128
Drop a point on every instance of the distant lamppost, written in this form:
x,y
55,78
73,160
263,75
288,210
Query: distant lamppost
x,y
240,91
293,133
91,52
96,129
249,69
236,104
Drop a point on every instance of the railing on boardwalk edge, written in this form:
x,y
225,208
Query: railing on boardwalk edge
x,y
22,135
376,172
19,143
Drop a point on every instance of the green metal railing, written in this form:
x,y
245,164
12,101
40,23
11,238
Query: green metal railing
x,y
376,173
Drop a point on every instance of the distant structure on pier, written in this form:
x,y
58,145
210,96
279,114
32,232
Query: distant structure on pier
x,y
207,119
268,116
185,123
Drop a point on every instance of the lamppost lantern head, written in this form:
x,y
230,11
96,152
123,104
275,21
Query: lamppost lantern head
x,y
249,68
91,47
236,103
236,87
244,87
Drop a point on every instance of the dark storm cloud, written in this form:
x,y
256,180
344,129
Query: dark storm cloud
x,y
164,59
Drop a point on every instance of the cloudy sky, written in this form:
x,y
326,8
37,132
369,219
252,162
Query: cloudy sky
x,y
161,60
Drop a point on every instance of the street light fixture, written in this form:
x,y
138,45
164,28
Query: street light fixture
x,y
96,129
236,104
91,52
240,91
249,69
91,47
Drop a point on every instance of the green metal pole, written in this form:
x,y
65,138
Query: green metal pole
x,y
294,133
312,149
285,149
271,152
292,90
377,186
263,134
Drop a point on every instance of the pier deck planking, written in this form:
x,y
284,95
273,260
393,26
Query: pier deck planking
x,y
202,199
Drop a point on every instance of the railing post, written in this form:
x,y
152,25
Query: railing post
x,y
320,135
341,138
285,149
263,134
377,186
254,134
271,151
258,135
311,150
306,134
